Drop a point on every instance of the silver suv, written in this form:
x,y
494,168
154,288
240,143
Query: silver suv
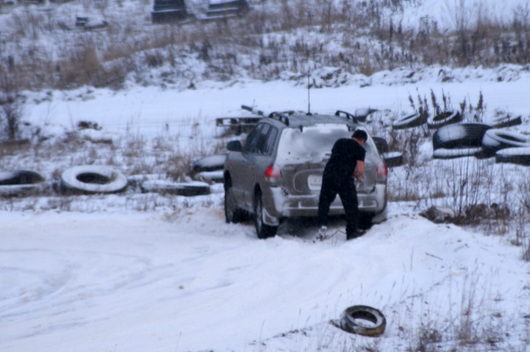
x,y
277,173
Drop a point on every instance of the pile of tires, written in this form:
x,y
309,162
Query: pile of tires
x,y
507,146
458,140
497,139
21,183
480,140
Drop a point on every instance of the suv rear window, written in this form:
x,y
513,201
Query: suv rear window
x,y
313,143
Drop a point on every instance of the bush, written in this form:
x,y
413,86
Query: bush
x,y
10,105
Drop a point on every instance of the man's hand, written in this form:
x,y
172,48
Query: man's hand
x,y
359,170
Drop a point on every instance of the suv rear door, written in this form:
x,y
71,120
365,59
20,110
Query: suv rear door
x,y
248,167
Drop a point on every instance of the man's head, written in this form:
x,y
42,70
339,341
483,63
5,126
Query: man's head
x,y
360,136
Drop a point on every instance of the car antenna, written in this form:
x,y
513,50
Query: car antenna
x,y
308,93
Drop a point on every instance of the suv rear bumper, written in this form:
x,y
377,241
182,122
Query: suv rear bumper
x,y
279,205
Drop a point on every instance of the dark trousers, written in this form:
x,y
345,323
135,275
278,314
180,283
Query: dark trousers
x,y
345,188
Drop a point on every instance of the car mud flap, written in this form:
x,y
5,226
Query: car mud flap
x,y
270,220
380,217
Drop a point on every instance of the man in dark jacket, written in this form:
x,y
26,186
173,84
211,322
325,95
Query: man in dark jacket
x,y
345,164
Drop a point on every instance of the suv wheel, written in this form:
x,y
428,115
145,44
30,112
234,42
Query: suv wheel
x,y
232,212
262,230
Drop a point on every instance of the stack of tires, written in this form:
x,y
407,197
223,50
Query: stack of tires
x,y
480,140
454,139
507,146
458,140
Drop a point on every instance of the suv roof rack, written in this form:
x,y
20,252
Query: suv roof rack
x,y
347,115
280,116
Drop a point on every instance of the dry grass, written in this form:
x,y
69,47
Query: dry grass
x,y
258,46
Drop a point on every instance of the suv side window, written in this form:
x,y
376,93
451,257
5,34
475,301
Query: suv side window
x,y
261,147
271,140
261,140
252,140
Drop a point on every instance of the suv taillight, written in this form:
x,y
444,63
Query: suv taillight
x,y
272,172
381,173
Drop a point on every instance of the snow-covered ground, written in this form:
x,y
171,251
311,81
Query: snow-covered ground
x,y
124,282
107,277
151,110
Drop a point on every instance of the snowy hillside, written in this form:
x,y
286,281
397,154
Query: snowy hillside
x,y
143,270
275,40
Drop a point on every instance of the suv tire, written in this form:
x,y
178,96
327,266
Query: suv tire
x,y
262,230
232,213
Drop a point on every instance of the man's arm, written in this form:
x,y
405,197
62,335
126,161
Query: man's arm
x,y
359,170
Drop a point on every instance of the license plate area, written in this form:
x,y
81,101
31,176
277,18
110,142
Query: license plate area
x,y
314,182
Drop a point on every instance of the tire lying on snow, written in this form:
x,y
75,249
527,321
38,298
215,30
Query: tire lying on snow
x,y
519,156
443,119
393,159
507,121
496,139
461,135
210,176
93,179
181,189
444,153
362,320
413,120
20,182
209,163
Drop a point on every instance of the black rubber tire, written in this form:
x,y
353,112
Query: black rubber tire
x,y
180,189
497,139
15,183
193,189
262,230
519,156
19,177
362,114
443,119
460,135
381,144
413,120
393,159
93,179
443,153
210,176
232,213
209,163
352,321
507,121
